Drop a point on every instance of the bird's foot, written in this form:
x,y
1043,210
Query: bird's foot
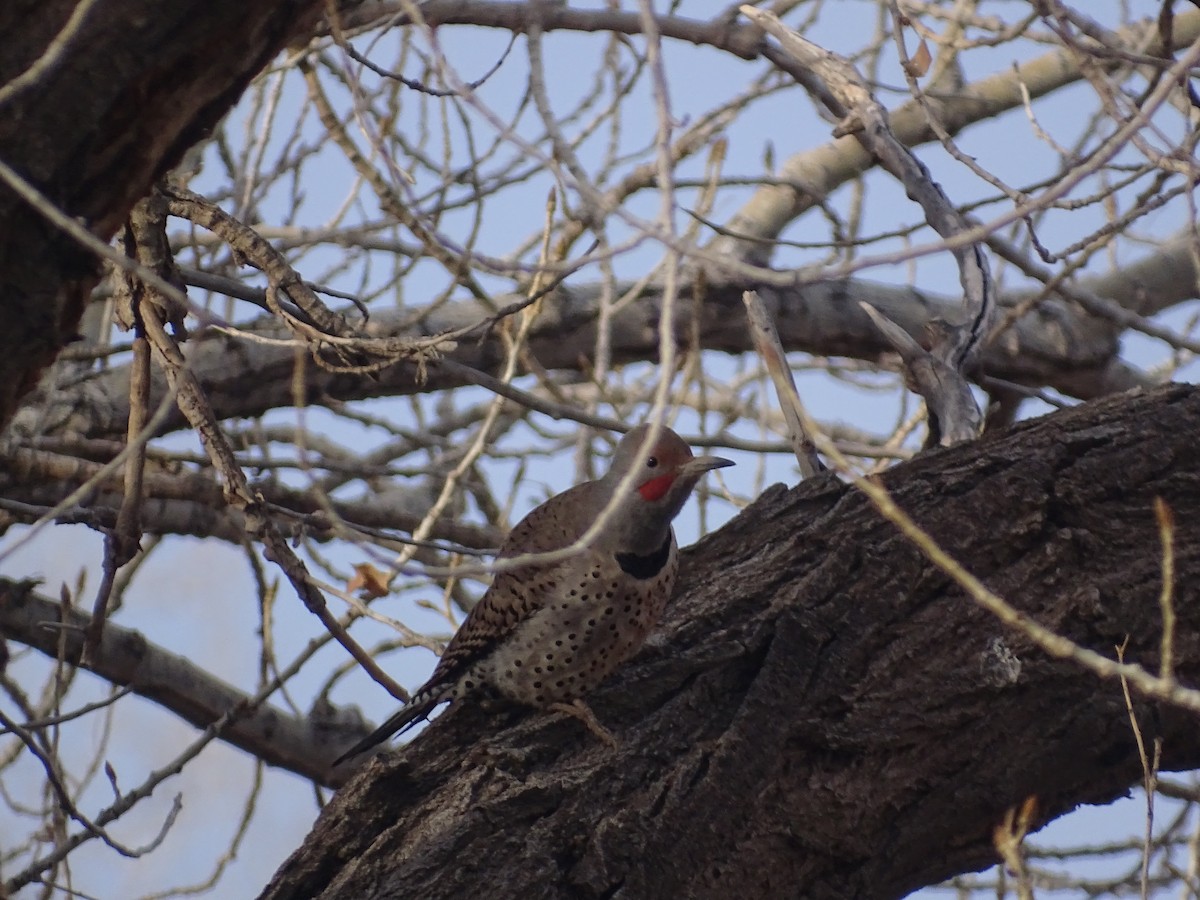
x,y
581,711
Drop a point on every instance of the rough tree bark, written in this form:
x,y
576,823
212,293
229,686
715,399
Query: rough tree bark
x,y
98,100
825,715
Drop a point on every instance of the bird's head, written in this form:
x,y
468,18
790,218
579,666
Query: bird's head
x,y
663,479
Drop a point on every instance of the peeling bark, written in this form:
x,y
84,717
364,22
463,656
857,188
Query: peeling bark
x,y
825,714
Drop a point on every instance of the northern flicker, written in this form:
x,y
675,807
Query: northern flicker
x,y
546,634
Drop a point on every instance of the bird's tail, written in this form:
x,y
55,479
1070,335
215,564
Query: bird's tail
x,y
414,711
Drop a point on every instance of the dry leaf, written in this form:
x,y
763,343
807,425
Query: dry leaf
x,y
918,63
368,581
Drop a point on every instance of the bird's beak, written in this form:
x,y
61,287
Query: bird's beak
x,y
698,465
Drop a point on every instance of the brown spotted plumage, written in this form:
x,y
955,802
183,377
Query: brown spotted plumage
x,y
546,634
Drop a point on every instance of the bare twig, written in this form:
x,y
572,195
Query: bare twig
x,y
766,341
145,241
195,406
1149,772
1009,841
54,779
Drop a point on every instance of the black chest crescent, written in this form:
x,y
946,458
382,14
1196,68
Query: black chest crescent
x,y
647,566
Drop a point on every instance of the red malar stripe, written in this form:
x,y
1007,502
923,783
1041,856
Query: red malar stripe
x,y
656,487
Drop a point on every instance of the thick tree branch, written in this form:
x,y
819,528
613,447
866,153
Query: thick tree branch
x,y
194,504
125,657
826,715
1051,345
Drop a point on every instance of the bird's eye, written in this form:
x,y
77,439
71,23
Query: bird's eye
x,y
652,462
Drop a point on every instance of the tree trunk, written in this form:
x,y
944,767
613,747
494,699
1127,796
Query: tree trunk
x,y
825,713
93,109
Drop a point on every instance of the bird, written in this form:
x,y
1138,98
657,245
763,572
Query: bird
x,y
545,634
